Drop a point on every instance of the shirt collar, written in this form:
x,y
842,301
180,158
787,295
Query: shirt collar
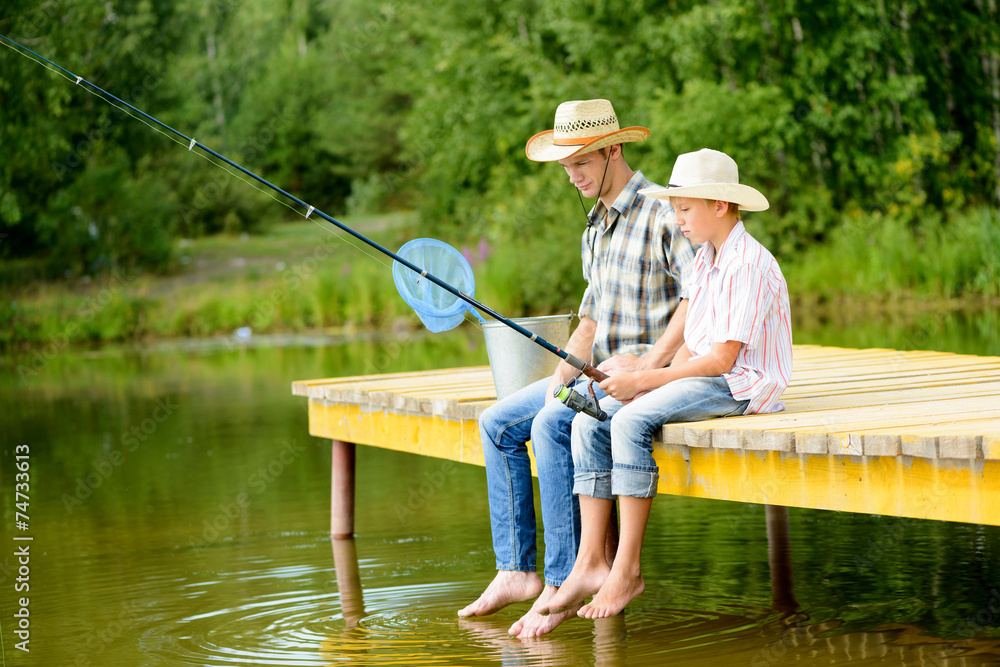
x,y
624,202
707,254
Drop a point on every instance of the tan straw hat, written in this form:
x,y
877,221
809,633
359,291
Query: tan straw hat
x,y
708,174
581,126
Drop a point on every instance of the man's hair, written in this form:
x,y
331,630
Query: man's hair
x,y
608,148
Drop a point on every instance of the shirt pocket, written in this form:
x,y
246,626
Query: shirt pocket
x,y
636,285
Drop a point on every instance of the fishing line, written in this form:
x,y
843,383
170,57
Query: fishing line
x,y
43,62
589,214
571,359
142,120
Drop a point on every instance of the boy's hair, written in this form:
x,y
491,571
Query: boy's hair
x,y
733,210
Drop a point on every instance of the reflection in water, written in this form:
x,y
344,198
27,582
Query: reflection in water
x,y
610,641
608,644
779,551
345,562
755,636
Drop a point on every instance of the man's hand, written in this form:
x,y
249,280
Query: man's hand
x,y
564,374
620,362
579,345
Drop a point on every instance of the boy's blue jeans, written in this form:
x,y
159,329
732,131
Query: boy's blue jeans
x,y
615,457
505,428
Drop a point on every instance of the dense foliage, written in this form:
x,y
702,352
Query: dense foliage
x,y
836,110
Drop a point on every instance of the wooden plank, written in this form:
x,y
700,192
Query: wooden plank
x,y
358,392
890,398
409,383
883,385
859,369
889,380
849,438
302,387
750,428
850,363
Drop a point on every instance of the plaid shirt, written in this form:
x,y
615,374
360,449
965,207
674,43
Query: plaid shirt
x,y
640,262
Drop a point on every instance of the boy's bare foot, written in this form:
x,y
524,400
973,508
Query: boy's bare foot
x,y
618,590
534,624
506,588
583,581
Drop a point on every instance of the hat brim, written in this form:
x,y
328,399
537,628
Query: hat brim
x,y
541,149
746,197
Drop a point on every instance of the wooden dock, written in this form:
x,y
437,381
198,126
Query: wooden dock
x,y
913,434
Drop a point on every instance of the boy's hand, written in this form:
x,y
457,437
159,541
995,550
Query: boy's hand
x,y
622,386
639,395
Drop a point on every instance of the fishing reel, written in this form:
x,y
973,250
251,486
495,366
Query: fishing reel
x,y
577,402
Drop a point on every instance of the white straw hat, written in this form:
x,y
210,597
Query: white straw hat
x,y
581,126
708,174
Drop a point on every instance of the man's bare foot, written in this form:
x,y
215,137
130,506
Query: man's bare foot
x,y
506,588
534,624
583,581
618,590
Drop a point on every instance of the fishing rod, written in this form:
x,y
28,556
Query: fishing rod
x,y
574,361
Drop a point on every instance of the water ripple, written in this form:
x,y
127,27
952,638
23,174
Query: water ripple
x,y
304,628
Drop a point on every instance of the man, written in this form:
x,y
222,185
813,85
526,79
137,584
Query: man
x,y
635,263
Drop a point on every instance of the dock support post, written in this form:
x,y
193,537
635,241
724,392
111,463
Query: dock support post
x,y
779,554
345,564
342,489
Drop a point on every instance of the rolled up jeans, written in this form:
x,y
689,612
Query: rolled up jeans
x,y
615,457
505,427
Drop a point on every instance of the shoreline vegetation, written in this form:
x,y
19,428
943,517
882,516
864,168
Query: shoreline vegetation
x,y
302,278
871,127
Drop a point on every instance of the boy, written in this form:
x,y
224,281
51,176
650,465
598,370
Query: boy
x,y
736,359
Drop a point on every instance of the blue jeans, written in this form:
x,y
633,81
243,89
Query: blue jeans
x,y
505,428
615,457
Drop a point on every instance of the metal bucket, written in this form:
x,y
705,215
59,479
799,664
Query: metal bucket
x,y
515,361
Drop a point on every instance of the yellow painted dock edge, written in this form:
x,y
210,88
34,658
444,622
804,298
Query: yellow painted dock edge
x,y
967,491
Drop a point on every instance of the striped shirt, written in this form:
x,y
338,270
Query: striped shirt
x,y
634,276
741,295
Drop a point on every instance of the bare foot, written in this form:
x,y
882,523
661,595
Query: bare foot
x,y
583,581
618,590
506,588
535,624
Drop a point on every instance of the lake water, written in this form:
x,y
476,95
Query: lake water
x,y
178,513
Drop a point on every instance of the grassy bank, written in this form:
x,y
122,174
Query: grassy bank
x,y
878,258
295,277
302,276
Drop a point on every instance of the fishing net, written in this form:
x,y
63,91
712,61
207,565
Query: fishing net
x,y
437,308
